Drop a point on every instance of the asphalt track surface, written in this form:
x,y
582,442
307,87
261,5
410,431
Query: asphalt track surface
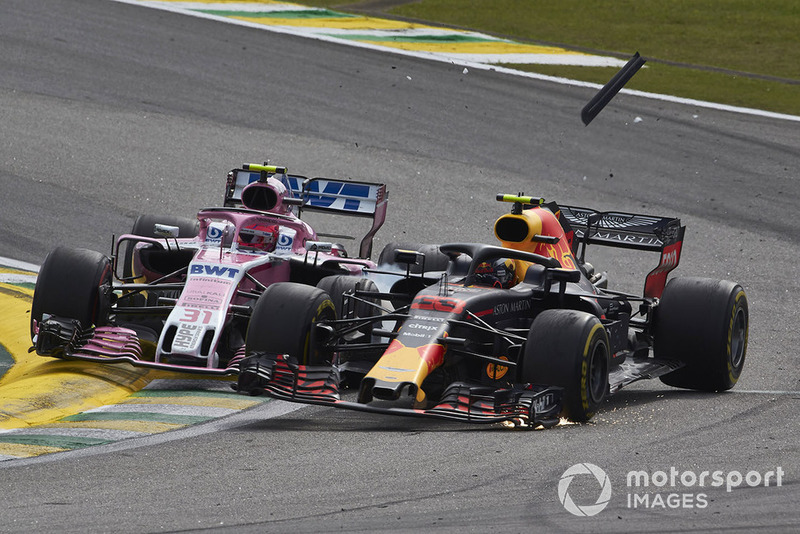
x,y
109,110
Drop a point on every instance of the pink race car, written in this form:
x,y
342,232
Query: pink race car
x,y
186,295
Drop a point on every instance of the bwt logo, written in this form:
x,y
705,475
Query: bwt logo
x,y
213,270
582,470
285,240
215,232
332,191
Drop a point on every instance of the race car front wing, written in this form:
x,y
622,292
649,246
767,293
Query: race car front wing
x,y
279,377
66,339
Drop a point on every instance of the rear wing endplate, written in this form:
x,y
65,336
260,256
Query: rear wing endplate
x,y
361,199
633,231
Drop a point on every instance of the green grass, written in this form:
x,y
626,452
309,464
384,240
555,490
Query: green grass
x,y
759,36
682,40
688,83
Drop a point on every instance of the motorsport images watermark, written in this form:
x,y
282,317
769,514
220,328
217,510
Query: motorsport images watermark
x,y
671,489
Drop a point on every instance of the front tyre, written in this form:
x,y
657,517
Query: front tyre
x,y
73,284
283,321
703,323
569,349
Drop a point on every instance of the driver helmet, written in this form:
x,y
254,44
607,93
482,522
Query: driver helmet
x,y
498,273
259,236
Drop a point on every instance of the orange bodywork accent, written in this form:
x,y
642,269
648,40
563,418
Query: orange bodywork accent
x,y
539,221
407,364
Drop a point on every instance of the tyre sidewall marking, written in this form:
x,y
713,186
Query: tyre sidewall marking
x,y
733,374
585,367
326,303
105,278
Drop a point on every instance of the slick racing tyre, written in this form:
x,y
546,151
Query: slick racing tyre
x,y
144,226
337,286
569,349
283,321
704,324
73,284
435,260
408,287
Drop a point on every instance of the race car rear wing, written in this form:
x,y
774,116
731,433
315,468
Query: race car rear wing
x,y
619,229
361,199
633,231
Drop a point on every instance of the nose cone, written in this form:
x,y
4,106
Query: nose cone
x,y
400,369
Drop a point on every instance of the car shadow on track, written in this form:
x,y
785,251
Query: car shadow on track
x,y
635,401
648,395
360,422
317,418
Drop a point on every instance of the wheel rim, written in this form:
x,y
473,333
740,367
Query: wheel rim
x,y
598,373
738,338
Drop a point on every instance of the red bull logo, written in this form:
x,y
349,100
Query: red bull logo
x,y
432,353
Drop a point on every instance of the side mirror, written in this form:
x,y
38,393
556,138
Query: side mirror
x,y
165,230
408,257
319,246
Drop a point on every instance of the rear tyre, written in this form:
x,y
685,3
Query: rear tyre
x,y
569,349
74,284
407,288
283,321
704,324
144,226
339,285
435,260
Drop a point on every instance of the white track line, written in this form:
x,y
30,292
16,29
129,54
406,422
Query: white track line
x,y
16,264
764,392
471,64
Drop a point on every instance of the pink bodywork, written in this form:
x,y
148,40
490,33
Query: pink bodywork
x,y
220,271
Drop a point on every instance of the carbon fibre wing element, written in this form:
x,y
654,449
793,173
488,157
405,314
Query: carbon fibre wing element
x,y
279,377
634,231
609,90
